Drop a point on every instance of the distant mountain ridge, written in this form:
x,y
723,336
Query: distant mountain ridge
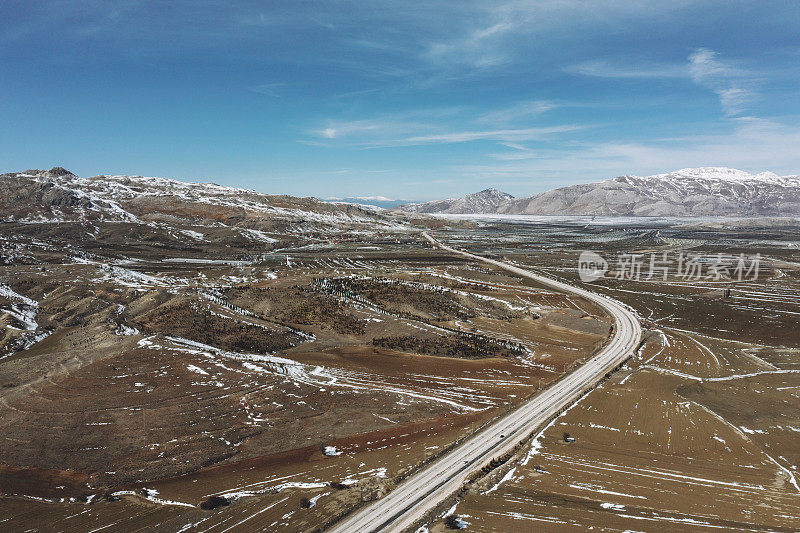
x,y
704,191
485,201
369,201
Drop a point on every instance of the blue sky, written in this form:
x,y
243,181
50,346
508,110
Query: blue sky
x,y
413,100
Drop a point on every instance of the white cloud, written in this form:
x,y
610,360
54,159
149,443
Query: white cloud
x,y
734,99
475,49
444,126
519,152
507,135
343,129
704,65
489,33
753,144
268,89
731,84
516,112
604,69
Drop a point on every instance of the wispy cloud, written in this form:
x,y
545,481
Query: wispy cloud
x,y
519,153
268,89
732,85
478,48
605,69
517,112
444,126
508,135
753,144
336,130
481,36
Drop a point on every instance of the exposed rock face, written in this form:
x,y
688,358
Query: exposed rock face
x,y
25,196
53,195
485,201
57,172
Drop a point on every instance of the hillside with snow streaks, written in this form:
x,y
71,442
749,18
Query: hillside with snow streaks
x,y
696,192
485,201
460,399
58,195
708,191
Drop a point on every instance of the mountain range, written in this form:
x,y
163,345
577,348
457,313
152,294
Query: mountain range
x,y
58,195
705,191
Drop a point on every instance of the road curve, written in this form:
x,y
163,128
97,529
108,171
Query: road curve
x,y
418,494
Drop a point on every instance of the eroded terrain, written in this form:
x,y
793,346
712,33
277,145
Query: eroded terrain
x,y
283,389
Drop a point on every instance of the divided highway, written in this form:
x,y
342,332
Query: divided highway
x,y
428,487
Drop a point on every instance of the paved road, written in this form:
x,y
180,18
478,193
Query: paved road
x,y
428,487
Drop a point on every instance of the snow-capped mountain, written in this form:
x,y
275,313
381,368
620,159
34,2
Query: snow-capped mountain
x,y
485,201
369,201
706,191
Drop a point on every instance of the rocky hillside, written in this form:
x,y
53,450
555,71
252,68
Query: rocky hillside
x,y
57,195
486,201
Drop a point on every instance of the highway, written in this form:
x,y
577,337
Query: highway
x,y
421,492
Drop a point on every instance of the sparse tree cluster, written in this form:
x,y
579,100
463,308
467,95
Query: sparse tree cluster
x,y
304,306
397,296
461,345
185,320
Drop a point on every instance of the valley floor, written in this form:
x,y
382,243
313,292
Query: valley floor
x,y
296,385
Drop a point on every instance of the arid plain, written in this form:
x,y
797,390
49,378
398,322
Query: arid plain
x,y
214,377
